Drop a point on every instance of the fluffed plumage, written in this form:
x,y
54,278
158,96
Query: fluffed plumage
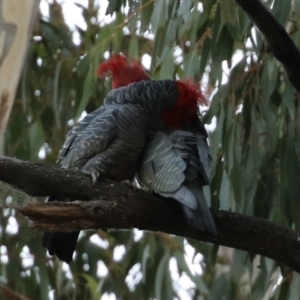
x,y
110,140
123,70
177,166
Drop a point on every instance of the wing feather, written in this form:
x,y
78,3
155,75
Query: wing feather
x,y
90,137
162,167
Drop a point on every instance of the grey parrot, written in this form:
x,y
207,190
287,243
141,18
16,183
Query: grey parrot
x,y
110,140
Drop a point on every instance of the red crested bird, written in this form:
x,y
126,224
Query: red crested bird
x,y
122,70
112,139
175,164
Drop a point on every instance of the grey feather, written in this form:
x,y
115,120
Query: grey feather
x,y
162,169
205,158
183,196
110,140
177,165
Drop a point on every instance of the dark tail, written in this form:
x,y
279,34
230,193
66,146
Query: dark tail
x,y
200,218
61,244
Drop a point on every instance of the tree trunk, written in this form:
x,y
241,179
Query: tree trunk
x,y
16,20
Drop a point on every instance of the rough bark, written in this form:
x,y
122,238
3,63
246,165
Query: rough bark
x,y
280,43
16,20
120,206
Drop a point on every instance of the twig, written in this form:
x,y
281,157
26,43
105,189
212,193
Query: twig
x,y
280,43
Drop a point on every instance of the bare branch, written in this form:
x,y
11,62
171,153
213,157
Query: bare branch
x,y
40,180
280,43
119,206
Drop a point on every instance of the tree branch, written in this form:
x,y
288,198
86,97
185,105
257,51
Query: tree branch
x,y
120,206
281,45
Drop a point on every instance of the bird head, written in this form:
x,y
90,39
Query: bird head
x,y
185,112
181,116
122,70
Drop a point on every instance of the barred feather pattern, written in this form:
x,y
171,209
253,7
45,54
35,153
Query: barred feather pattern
x,y
177,166
110,140
115,133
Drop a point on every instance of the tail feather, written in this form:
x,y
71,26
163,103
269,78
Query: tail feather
x,y
61,244
200,217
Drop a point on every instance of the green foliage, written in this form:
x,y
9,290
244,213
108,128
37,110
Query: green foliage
x,y
255,148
